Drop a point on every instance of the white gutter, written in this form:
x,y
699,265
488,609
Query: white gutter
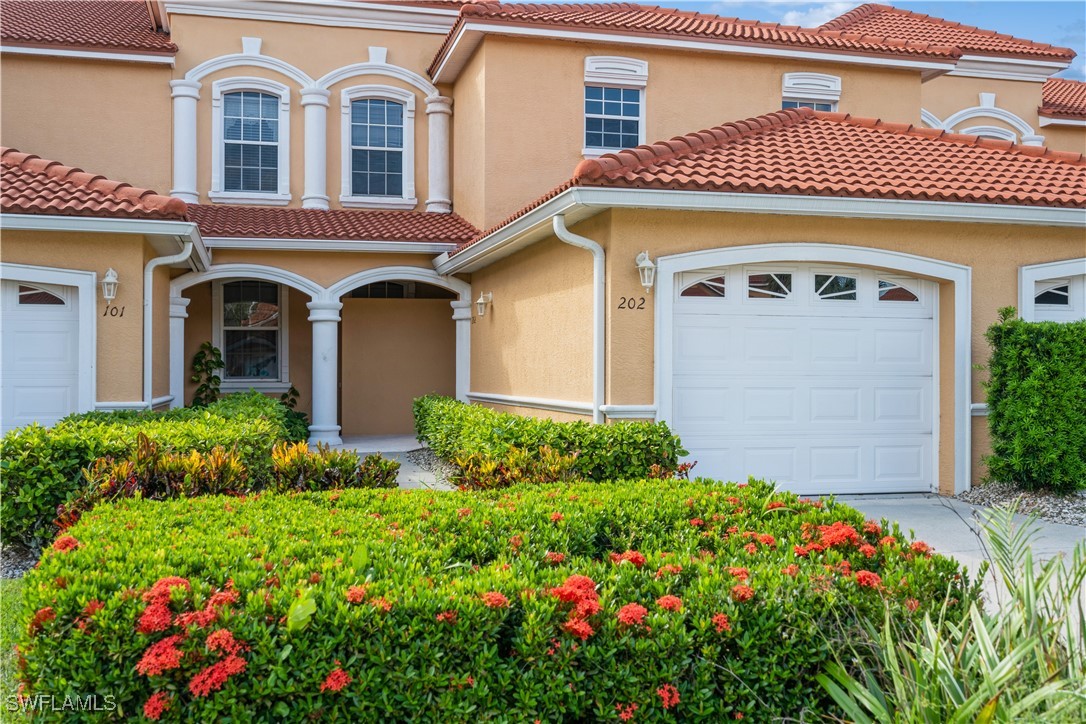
x,y
148,308
599,318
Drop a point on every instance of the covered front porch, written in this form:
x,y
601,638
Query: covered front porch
x,y
356,350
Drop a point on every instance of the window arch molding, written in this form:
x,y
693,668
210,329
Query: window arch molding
x,y
1002,134
380,92
260,85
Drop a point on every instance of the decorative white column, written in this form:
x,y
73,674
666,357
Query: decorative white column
x,y
462,317
324,316
438,112
178,315
315,103
185,94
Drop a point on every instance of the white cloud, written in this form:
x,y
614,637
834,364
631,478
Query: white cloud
x,y
818,14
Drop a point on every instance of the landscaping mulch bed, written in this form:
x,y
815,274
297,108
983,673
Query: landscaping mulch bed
x,y
15,560
1067,509
428,461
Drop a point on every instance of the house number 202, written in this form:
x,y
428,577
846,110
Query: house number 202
x,y
631,303
113,312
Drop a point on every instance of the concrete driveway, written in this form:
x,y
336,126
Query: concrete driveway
x,y
952,527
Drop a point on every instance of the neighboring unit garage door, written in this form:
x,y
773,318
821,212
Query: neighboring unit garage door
x,y
817,377
40,336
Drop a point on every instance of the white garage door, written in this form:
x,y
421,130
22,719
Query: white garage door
x,y
817,377
40,335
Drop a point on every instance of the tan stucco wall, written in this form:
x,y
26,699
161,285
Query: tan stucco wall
x,y
108,118
1065,138
536,337
534,101
324,268
119,358
197,329
160,327
394,350
469,139
203,38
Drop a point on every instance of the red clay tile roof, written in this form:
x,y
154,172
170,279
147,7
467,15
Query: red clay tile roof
x,y
809,153
253,222
104,25
1063,98
873,19
647,20
32,185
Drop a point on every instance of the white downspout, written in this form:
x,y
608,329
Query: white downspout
x,y
599,317
148,307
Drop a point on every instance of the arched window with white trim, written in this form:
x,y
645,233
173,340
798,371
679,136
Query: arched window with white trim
x,y
250,152
378,141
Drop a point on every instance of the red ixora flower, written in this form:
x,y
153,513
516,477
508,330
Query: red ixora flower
x,y
555,558
555,517
773,505
93,607
579,628
213,677
223,641
920,547
868,550
912,604
356,594
382,603
697,522
625,711
668,569
160,592
65,543
669,696
43,616
156,705
741,573
839,534
722,623
337,680
156,617
790,570
867,579
742,593
632,614
449,617
161,656
634,557
493,599
670,603
872,528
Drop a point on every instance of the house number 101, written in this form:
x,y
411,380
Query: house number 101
x,y
631,303
113,312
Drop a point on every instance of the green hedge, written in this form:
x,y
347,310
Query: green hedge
x,y
604,452
556,603
1037,403
41,468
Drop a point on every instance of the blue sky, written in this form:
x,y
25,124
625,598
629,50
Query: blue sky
x,y
1060,22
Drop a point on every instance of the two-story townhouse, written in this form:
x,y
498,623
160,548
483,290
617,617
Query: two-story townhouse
x,y
801,294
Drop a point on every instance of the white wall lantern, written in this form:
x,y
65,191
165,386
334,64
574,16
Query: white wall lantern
x,y
109,286
647,270
485,298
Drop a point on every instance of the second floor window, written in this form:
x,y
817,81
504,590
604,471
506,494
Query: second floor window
x,y
251,142
813,105
612,117
377,147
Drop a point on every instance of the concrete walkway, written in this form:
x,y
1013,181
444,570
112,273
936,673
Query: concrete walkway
x,y
952,527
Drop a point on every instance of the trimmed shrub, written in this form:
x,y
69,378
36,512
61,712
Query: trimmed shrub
x,y
40,468
617,451
1037,403
297,468
570,602
479,471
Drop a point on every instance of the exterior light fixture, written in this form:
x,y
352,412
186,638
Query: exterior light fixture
x,y
481,303
647,269
109,285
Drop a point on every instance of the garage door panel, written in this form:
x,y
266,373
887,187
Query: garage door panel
x,y
41,350
820,398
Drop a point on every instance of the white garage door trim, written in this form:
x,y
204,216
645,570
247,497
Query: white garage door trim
x,y
961,276
1072,270
86,282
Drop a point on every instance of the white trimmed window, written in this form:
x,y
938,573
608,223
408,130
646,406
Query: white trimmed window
x,y
614,103
1060,300
817,91
249,326
378,135
250,153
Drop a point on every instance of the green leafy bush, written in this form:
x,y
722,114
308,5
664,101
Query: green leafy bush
x,y
1022,662
618,451
1037,403
40,468
560,603
297,468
